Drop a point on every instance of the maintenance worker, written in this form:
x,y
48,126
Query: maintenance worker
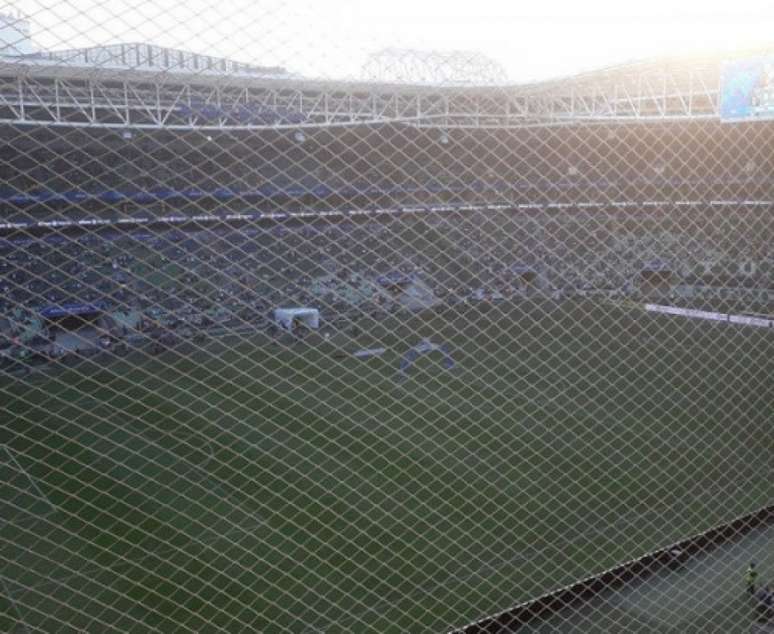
x,y
751,577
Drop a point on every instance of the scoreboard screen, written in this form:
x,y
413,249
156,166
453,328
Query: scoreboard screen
x,y
747,89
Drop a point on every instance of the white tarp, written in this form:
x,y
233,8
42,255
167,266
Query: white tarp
x,y
287,317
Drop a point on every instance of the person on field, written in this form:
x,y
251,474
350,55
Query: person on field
x,y
751,577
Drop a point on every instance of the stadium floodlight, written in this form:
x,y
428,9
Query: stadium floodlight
x,y
299,136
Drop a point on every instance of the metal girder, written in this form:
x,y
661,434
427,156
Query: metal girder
x,y
160,103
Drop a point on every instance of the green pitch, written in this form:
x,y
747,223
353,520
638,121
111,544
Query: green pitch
x,y
249,486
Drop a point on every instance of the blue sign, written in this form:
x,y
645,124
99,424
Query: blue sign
x,y
70,309
747,89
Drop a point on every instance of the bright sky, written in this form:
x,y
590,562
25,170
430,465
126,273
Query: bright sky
x,y
332,38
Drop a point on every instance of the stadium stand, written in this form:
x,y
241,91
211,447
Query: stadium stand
x,y
241,272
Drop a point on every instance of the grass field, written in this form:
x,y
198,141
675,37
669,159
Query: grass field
x,y
248,486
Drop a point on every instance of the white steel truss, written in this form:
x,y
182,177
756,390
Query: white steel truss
x,y
42,93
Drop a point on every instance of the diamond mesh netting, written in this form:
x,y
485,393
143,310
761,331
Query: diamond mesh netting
x,y
407,348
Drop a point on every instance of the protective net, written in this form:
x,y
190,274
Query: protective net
x,y
302,333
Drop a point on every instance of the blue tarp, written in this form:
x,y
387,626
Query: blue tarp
x,y
422,349
394,278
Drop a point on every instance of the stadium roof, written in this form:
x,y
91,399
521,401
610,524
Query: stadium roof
x,y
134,63
147,62
144,85
137,56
